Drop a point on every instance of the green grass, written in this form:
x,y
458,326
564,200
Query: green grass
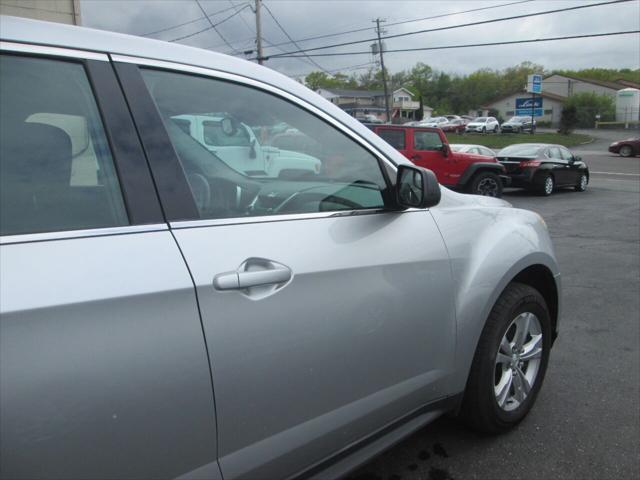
x,y
501,140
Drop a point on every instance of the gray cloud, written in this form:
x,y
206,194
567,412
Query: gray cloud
x,y
305,18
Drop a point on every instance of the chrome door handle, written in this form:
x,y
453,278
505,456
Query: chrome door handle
x,y
238,280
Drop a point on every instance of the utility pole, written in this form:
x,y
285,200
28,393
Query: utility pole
x,y
258,33
384,74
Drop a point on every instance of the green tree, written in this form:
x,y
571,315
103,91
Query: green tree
x,y
316,80
588,105
568,119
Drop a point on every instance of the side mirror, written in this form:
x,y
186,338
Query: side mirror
x,y
228,126
576,158
416,187
445,149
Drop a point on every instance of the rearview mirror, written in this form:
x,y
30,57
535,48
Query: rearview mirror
x,y
576,158
416,187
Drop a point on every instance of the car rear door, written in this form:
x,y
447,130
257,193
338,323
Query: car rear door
x,y
396,137
326,316
103,365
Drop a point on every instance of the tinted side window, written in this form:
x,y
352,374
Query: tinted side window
x,y
395,138
566,154
240,158
426,140
56,169
554,152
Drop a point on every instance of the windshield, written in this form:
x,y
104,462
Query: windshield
x,y
457,148
480,120
518,120
522,150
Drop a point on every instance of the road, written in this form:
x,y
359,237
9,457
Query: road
x,y
586,422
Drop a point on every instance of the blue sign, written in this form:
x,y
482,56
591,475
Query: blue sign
x,y
524,106
534,83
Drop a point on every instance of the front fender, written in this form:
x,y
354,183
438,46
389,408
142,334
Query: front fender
x,y
474,167
488,246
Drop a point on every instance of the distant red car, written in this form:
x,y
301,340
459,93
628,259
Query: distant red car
x,y
455,125
428,147
626,148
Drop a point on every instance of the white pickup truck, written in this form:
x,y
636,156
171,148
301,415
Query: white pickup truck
x,y
236,144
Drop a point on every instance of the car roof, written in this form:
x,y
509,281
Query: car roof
x,y
23,30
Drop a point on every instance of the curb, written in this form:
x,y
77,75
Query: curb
x,y
588,141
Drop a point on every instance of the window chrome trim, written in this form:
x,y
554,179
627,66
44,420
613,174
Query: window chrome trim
x,y
209,72
72,234
219,222
52,51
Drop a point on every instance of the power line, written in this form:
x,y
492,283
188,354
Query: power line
x,y
183,24
446,47
289,37
482,22
346,32
212,26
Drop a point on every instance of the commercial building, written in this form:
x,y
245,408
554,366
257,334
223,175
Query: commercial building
x,y
61,11
555,90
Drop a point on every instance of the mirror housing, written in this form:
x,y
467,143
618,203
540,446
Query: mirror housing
x,y
445,150
576,158
416,187
228,126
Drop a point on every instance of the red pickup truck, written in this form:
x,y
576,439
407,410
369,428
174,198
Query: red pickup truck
x,y
428,147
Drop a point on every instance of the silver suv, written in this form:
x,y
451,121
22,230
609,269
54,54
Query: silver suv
x,y
165,315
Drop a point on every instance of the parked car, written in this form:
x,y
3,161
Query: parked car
x,y
437,122
544,167
452,117
368,118
466,119
483,125
518,125
474,149
454,125
164,315
429,148
626,148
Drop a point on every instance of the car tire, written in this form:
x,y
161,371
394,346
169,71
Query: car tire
x,y
583,181
626,151
548,185
487,184
510,361
484,129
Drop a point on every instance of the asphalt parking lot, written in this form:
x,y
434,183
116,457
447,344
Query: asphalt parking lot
x,y
586,422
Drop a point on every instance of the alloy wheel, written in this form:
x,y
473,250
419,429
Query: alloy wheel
x,y
518,361
583,182
625,151
548,185
488,187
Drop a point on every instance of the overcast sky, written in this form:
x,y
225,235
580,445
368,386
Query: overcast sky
x,y
306,18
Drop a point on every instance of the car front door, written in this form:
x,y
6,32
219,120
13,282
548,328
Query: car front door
x,y
561,167
326,316
572,167
103,365
428,152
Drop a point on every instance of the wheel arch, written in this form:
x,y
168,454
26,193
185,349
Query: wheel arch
x,y
475,168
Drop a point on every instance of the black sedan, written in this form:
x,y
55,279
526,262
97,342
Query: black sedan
x,y
518,125
543,167
626,148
